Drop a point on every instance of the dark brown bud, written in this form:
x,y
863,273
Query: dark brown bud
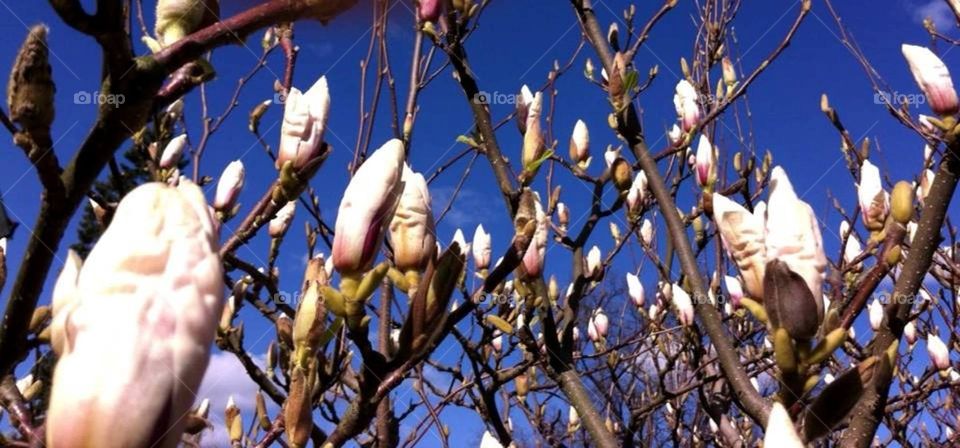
x,y
30,89
788,301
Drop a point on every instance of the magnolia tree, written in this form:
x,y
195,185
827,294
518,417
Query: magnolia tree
x,y
738,332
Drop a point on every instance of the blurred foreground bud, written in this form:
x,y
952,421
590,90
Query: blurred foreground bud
x,y
429,10
932,76
304,121
489,441
137,339
412,230
177,18
780,431
367,206
734,290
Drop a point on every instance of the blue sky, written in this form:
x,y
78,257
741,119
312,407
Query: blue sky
x,y
517,43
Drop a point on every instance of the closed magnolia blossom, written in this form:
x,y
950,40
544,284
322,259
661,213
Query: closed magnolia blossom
x,y
177,18
137,337
851,251
683,304
524,100
611,155
533,258
926,182
481,248
675,135
281,222
173,152
412,230
533,145
742,234
687,105
637,192
876,315
594,263
646,232
601,322
304,121
781,432
734,290
910,332
705,161
874,201
580,145
229,186
635,289
367,207
461,241
938,352
429,10
573,417
932,76
793,234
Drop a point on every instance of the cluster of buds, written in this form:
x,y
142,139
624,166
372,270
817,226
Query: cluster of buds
x,y
779,251
153,280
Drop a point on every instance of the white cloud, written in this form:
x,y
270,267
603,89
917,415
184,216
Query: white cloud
x,y
226,377
936,10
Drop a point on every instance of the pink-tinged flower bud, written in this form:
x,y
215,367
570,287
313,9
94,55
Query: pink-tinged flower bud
x,y
635,289
675,135
637,192
497,341
580,145
481,248
874,201
138,336
876,315
653,311
412,230
734,290
229,186
687,105
939,354
367,207
429,10
533,258
598,326
781,432
683,304
489,441
533,146
524,100
932,77
173,152
304,121
910,332
461,241
281,222
926,182
646,232
706,159
793,234
742,234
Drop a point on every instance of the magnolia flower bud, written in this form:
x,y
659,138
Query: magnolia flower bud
x,y
523,105
563,214
938,352
851,251
926,182
876,315
580,145
304,121
574,417
429,10
611,155
177,18
734,290
932,76
366,208
594,263
910,332
683,304
229,186
233,421
793,234
489,441
622,174
729,72
742,234
173,151
533,258
635,289
598,326
533,146
706,159
780,430
461,241
412,230
646,232
637,192
874,202
685,101
281,222
481,248
675,135
144,314
901,202
497,341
